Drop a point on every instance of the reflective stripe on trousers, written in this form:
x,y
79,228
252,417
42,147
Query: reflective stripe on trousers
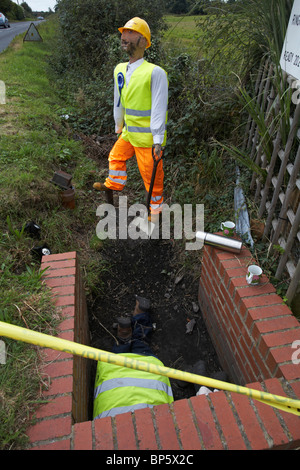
x,y
114,173
117,173
156,203
123,151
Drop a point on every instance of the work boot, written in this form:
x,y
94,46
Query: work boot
x,y
142,305
108,192
124,332
100,187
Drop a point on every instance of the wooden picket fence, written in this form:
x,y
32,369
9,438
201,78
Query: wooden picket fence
x,y
278,195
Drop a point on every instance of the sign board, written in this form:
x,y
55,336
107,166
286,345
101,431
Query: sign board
x,y
2,352
32,34
290,55
2,92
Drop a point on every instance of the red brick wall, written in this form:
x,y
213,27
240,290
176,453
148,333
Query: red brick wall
x,y
67,376
252,330
239,322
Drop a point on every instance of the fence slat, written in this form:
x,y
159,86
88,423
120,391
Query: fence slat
x,y
283,165
289,245
285,204
292,290
268,182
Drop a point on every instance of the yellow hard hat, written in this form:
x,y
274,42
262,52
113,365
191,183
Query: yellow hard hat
x,y
140,26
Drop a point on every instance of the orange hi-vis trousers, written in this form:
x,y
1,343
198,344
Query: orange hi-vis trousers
x,y
120,153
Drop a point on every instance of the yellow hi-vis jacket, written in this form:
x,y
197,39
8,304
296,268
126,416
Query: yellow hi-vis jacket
x,y
136,101
121,389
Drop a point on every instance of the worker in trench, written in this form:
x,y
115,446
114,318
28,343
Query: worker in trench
x,y
121,389
140,114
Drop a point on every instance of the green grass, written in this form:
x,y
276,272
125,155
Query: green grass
x,y
221,41
26,302
184,27
34,142
183,34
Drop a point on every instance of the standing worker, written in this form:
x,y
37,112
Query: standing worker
x,y
121,389
140,114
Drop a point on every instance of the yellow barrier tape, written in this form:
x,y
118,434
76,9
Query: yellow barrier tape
x,y
46,341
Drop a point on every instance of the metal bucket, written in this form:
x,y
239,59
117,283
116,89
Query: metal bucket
x,y
217,241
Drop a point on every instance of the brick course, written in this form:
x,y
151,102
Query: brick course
x,y
253,334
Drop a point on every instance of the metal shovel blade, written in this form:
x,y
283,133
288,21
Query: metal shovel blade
x,y
143,224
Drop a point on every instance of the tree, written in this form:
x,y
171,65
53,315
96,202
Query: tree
x,y
17,12
27,9
6,6
12,10
178,7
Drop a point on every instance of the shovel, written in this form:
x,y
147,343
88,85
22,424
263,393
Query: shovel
x,y
142,222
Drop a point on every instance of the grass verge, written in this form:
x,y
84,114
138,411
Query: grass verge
x,y
35,141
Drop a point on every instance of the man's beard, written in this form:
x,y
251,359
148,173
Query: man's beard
x,y
129,48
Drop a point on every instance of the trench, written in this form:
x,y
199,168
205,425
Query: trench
x,y
160,270
152,269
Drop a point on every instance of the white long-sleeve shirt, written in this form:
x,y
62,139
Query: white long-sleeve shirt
x,y
159,103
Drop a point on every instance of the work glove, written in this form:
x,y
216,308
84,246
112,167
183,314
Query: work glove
x,y
157,150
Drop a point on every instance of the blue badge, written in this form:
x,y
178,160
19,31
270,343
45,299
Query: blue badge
x,y
121,81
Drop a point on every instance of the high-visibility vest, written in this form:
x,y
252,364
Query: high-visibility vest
x,y
122,389
136,100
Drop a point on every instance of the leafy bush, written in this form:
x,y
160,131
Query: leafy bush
x,y
88,29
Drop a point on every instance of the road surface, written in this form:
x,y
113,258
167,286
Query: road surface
x,y
8,34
